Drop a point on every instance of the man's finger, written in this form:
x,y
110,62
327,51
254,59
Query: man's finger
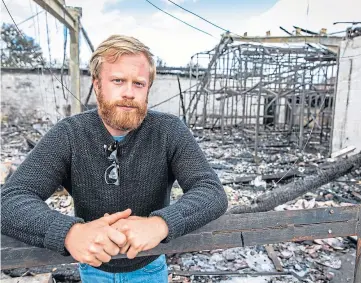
x,y
106,214
94,248
125,249
103,257
122,227
111,219
116,237
134,217
99,239
95,262
132,252
111,249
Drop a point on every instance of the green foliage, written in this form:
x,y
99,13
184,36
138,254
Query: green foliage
x,y
17,50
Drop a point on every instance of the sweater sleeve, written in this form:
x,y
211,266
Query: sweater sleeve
x,y
24,213
204,198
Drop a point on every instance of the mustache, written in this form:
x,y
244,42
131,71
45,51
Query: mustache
x,y
126,103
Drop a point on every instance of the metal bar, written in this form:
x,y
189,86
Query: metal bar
x,y
233,102
190,88
258,110
92,49
87,39
181,98
302,111
325,40
222,104
357,275
227,71
245,103
357,272
223,43
89,95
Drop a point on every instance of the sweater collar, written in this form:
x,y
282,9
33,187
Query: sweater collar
x,y
106,136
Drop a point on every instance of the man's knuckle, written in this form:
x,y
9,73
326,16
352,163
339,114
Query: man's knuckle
x,y
115,251
107,258
88,259
99,238
91,248
121,244
107,228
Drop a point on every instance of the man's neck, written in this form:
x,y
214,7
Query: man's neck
x,y
115,132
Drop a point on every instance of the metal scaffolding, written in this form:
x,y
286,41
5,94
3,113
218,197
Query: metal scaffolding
x,y
263,89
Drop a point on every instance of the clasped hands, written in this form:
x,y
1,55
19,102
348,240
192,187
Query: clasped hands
x,y
97,241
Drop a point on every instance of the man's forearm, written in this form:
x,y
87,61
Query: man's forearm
x,y
26,217
24,213
193,210
204,198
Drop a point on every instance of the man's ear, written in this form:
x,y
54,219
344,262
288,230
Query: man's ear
x,y
96,86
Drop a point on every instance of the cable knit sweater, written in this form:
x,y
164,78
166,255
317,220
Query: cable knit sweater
x,y
72,154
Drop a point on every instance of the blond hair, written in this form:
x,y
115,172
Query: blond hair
x,y
114,47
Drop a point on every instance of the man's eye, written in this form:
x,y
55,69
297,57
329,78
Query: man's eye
x,y
138,84
117,80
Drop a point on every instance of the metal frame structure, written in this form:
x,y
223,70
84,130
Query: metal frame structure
x,y
262,88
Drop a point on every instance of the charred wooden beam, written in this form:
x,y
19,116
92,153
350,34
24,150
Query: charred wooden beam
x,y
267,177
273,256
226,232
283,194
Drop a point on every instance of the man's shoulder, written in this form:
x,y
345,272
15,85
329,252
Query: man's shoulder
x,y
82,118
166,124
164,119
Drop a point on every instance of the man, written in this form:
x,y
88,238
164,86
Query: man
x,y
119,163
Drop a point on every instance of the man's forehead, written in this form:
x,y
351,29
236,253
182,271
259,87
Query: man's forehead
x,y
139,58
138,63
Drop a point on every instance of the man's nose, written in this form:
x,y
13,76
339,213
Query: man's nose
x,y
128,91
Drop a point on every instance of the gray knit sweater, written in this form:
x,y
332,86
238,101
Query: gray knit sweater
x,y
72,154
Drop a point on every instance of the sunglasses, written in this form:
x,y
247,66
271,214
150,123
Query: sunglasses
x,y
111,174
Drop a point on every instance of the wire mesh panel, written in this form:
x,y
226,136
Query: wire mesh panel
x,y
262,89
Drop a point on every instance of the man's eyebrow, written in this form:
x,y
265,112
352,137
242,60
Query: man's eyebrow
x,y
121,76
141,80
118,75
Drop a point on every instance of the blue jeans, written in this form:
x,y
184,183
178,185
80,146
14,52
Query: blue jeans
x,y
154,272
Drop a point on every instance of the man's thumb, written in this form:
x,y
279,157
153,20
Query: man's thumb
x,y
111,219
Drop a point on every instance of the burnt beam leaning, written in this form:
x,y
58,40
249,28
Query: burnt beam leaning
x,y
232,230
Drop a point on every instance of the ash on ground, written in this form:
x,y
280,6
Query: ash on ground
x,y
233,158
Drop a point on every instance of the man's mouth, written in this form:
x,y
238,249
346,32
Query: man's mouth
x,y
126,108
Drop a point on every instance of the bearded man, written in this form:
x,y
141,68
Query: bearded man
x,y
119,163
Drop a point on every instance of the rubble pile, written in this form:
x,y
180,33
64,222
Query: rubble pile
x,y
244,176
308,261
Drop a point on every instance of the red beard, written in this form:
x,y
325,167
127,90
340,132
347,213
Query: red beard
x,y
118,119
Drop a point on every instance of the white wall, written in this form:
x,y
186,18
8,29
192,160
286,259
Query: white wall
x,y
24,94
347,115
